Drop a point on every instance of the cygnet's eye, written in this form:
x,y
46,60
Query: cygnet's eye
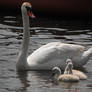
x,y
66,62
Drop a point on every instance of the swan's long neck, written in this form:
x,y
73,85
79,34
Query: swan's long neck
x,y
22,60
26,33
86,55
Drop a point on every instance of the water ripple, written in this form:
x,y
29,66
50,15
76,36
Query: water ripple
x,y
42,32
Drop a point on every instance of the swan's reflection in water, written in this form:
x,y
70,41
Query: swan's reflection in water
x,y
33,80
42,81
22,76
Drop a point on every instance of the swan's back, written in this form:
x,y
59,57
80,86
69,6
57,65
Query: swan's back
x,y
54,54
63,47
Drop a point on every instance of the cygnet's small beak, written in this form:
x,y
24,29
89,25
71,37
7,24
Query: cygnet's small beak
x,y
52,75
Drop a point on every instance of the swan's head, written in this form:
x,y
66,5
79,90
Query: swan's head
x,y
27,9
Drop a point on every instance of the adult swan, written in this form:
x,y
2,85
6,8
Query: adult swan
x,y
49,55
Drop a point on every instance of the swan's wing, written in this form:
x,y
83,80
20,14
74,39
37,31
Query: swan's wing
x,y
64,46
49,45
53,52
73,48
42,55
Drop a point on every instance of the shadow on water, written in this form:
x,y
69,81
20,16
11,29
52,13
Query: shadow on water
x,y
23,79
29,81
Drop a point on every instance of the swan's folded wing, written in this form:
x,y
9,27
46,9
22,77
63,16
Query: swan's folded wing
x,y
54,52
41,56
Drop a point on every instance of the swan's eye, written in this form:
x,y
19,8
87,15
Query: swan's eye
x,y
28,8
29,11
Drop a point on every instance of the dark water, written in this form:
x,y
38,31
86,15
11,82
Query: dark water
x,y
42,31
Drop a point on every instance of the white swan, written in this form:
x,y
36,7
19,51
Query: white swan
x,y
69,70
49,55
64,77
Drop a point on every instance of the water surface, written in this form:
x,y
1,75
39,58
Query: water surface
x,y
42,31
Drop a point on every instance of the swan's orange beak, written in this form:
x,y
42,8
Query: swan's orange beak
x,y
31,14
29,9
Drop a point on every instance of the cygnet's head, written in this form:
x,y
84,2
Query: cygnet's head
x,y
69,66
68,61
27,9
56,71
